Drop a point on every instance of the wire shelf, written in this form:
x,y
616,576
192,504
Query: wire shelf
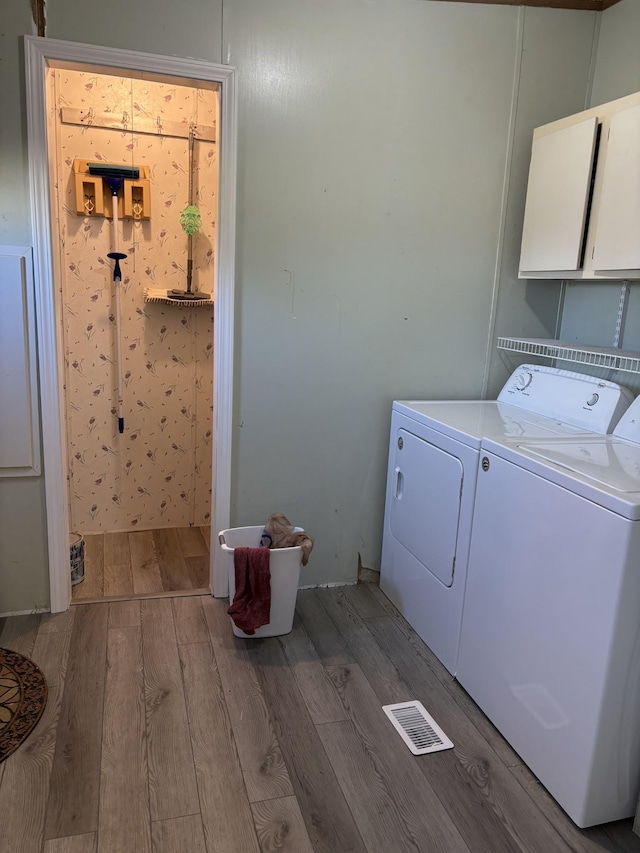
x,y
609,357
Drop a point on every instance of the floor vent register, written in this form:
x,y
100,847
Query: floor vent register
x,y
417,728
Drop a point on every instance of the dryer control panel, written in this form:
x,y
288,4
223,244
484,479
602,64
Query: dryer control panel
x,y
573,398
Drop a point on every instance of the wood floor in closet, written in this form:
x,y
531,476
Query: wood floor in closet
x,y
144,562
163,732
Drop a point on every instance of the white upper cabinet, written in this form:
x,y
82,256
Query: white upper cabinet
x,y
617,243
582,215
557,198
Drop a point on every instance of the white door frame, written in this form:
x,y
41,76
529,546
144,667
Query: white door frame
x,y
39,54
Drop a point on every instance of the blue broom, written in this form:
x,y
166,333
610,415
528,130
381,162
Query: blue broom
x,y
115,175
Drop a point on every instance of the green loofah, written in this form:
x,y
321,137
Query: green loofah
x,y
190,219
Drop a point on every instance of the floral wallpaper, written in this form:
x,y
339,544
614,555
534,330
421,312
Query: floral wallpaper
x,y
158,472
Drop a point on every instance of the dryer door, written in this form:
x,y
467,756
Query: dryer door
x,y
425,504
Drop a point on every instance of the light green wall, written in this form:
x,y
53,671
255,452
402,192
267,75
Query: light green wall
x,y
374,142
373,147
550,37
24,579
590,310
617,66
191,28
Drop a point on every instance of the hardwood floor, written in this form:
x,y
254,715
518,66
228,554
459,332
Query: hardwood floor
x,y
144,563
163,732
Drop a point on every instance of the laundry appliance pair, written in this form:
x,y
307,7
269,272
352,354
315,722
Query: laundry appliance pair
x,y
525,514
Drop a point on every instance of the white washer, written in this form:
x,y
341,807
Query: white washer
x,y
431,482
550,644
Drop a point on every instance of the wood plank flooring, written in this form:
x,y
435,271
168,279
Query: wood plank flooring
x,y
163,732
144,563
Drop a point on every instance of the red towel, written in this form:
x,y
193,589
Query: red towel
x,y
251,606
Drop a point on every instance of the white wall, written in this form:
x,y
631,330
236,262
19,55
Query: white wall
x,y
374,142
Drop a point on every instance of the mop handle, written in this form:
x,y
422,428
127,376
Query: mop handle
x,y
117,280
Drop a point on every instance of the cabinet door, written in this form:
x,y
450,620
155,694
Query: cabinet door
x,y
617,242
557,198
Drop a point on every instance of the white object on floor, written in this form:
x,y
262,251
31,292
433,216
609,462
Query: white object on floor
x,y
417,728
284,566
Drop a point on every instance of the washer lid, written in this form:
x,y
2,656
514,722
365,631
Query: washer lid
x,y
613,463
602,469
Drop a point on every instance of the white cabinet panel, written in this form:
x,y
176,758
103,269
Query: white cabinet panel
x,y
557,197
617,242
582,217
19,439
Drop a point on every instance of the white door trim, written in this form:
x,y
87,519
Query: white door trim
x,y
39,54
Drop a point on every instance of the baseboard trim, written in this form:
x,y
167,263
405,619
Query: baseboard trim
x,y
35,610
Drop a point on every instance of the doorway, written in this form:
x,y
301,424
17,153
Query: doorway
x,y
186,80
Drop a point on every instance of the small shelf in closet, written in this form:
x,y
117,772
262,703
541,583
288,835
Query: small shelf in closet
x,y
608,357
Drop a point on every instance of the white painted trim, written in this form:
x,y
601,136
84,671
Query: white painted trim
x,y
49,363
223,333
39,53
504,201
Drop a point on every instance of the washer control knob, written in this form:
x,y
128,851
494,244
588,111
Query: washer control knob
x,y
593,399
523,380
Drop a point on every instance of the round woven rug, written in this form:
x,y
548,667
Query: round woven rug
x,y
23,696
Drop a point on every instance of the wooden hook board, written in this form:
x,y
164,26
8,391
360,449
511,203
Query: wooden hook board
x,y
138,124
93,196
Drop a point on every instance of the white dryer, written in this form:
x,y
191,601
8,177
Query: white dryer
x,y
550,644
431,483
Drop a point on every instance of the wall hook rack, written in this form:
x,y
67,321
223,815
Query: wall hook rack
x,y
93,196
